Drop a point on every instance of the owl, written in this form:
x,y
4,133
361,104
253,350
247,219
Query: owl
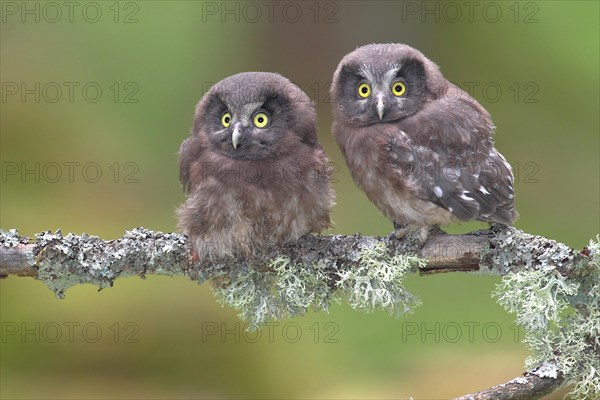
x,y
419,147
253,171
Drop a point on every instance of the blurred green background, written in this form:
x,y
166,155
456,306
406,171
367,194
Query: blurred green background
x,y
533,65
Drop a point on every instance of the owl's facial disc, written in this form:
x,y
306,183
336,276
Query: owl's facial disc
x,y
247,131
380,91
249,124
238,125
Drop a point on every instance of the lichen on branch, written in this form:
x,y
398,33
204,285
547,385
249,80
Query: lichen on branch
x,y
285,289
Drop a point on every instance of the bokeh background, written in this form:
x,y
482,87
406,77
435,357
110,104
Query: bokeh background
x,y
533,65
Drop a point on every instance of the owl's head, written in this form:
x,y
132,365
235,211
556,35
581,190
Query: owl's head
x,y
255,115
384,83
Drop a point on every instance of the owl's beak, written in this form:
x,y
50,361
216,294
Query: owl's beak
x,y
380,105
235,136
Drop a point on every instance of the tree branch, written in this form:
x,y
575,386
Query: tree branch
x,y
495,251
63,261
531,385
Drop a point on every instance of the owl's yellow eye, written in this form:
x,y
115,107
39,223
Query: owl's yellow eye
x,y
398,88
226,119
364,90
261,120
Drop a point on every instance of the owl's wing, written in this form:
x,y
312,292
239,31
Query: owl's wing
x,y
470,182
190,151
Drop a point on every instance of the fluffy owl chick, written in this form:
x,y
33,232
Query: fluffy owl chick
x,y
417,145
253,170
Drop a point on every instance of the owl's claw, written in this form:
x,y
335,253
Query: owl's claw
x,y
421,232
194,257
398,226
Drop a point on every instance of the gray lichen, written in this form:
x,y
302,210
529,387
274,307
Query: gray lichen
x,y
72,260
65,261
513,249
11,238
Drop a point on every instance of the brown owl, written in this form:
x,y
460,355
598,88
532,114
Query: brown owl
x,y
253,170
417,145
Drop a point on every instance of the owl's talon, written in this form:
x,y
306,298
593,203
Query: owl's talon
x,y
194,257
436,230
398,226
401,231
421,233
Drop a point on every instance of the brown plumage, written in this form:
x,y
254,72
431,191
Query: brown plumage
x,y
254,173
417,145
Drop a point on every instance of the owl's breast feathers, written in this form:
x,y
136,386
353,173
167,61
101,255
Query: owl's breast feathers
x,y
393,189
240,206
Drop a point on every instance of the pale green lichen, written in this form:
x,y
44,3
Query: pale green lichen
x,y
561,320
537,297
284,289
300,287
377,281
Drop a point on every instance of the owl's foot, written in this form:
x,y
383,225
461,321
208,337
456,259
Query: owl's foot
x,y
400,230
420,232
194,257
